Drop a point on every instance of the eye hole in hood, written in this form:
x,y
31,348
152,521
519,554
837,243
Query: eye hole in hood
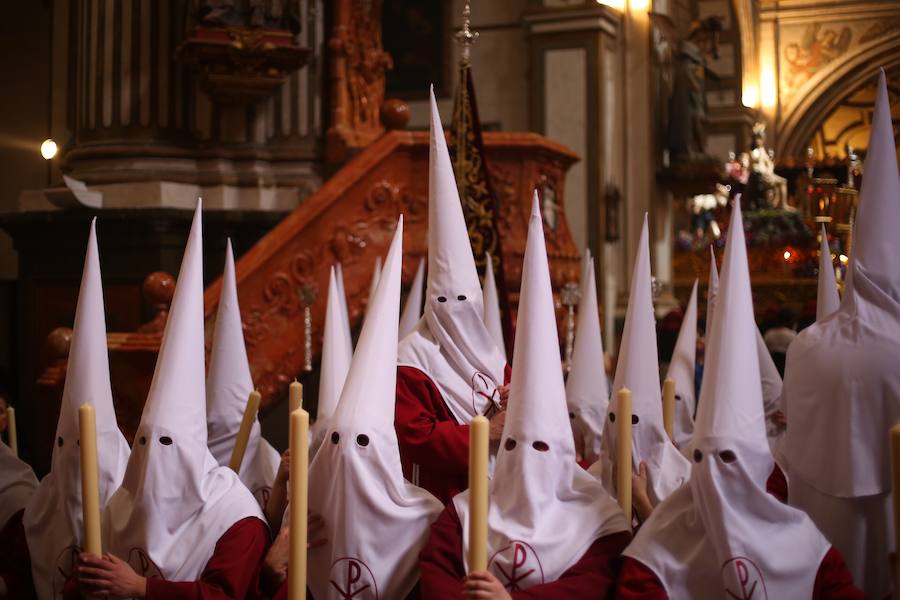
x,y
509,444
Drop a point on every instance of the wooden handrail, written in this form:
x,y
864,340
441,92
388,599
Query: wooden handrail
x,y
351,218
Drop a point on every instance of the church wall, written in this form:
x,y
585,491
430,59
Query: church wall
x,y
499,66
25,46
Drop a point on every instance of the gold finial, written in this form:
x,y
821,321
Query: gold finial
x,y
465,36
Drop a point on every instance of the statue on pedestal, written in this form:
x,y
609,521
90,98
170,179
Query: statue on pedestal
x,y
765,188
266,14
687,109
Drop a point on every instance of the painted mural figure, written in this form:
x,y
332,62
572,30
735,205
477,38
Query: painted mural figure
x,y
816,49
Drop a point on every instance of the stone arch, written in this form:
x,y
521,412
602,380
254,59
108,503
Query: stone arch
x,y
745,18
826,91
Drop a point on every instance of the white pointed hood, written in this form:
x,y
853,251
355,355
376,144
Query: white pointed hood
x,y
711,290
827,298
723,535
768,372
452,345
176,501
342,294
336,357
228,386
17,484
491,299
53,519
545,511
771,382
682,371
412,310
587,390
375,521
841,379
638,370
373,284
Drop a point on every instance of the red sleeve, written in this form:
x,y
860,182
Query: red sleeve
x,y
834,581
15,560
637,582
777,484
593,576
231,574
441,569
428,435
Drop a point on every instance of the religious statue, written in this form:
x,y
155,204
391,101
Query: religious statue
x,y
703,212
686,60
549,206
765,188
737,168
266,14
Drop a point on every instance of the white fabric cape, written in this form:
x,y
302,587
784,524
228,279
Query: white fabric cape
x,y
842,380
53,518
17,484
545,511
375,521
587,389
451,344
176,501
723,535
228,386
682,371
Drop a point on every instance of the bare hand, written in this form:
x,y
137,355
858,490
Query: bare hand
x,y
275,565
779,419
504,395
496,428
640,499
484,586
109,576
284,467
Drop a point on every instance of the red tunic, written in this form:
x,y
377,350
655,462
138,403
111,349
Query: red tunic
x,y
429,435
777,484
833,581
15,560
442,569
232,572
282,593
